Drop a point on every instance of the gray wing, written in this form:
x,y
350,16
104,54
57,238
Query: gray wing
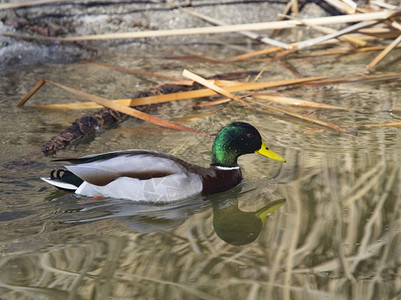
x,y
103,169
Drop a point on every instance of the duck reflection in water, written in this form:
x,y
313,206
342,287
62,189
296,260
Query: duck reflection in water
x,y
231,224
238,227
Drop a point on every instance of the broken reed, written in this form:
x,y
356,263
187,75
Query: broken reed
x,y
225,89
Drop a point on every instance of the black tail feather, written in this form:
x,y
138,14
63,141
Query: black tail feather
x,y
66,176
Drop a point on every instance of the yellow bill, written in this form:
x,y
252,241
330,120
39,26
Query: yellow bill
x,y
269,153
268,210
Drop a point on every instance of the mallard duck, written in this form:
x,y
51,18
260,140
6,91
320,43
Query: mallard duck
x,y
145,175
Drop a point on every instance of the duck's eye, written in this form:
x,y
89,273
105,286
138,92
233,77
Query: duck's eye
x,y
250,135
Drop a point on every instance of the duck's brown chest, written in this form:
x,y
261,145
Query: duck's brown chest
x,y
221,180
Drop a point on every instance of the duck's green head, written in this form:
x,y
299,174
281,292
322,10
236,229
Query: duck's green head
x,y
236,139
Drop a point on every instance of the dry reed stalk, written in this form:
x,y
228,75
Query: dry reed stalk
x,y
376,31
392,236
133,102
333,188
374,16
113,105
131,71
213,87
345,6
383,4
248,34
253,291
364,184
196,272
331,34
287,239
316,232
31,3
232,258
389,124
394,24
231,87
342,51
239,86
192,241
273,50
285,12
105,277
328,30
382,54
336,34
256,53
345,78
295,102
373,188
31,92
185,287
295,6
333,265
379,199
288,112
355,219
295,235
377,36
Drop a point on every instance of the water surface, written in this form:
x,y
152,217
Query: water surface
x,y
336,237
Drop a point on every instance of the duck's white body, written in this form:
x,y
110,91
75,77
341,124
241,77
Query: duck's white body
x,y
138,175
165,189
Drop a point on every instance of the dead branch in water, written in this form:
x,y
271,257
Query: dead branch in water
x,y
105,118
